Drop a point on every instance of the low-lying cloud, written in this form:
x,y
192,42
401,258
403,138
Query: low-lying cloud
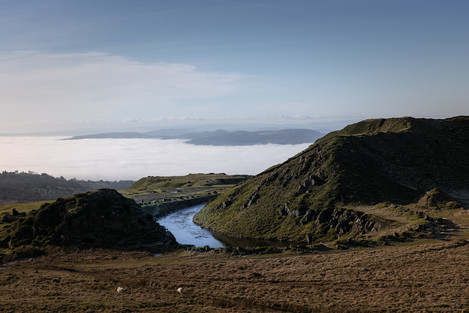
x,y
117,159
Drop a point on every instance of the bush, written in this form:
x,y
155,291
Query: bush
x,y
452,205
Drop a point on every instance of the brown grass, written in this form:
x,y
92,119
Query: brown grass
x,y
426,278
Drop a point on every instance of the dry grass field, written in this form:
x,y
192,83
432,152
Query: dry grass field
x,y
424,275
432,276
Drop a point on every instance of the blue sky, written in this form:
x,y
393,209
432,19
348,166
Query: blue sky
x,y
121,64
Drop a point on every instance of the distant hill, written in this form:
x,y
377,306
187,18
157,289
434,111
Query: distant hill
x,y
325,191
221,137
161,195
245,138
187,181
25,187
119,135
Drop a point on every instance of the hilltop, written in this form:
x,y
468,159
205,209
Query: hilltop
x,y
102,218
188,181
356,181
160,195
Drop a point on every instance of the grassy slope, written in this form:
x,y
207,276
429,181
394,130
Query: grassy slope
x,y
101,218
371,162
160,189
152,189
21,208
191,180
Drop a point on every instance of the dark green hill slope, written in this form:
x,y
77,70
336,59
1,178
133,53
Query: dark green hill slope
x,y
313,194
101,218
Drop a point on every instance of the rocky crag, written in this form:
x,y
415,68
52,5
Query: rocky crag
x,y
317,194
101,218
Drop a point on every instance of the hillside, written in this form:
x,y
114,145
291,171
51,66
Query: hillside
x,y
359,180
101,218
25,187
187,181
160,195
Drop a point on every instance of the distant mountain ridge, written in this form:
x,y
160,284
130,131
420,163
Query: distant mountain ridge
x,y
220,137
313,194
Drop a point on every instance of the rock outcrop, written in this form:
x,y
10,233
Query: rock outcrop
x,y
437,200
101,218
313,194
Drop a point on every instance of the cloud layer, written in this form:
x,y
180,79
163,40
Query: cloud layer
x,y
115,159
39,86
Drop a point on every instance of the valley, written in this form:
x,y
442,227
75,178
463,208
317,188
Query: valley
x,y
358,223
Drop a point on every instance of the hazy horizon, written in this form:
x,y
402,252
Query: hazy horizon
x,y
183,126
82,67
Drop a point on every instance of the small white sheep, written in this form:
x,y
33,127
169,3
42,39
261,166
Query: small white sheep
x,y
121,290
180,290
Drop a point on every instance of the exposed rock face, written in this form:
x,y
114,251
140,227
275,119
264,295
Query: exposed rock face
x,y
101,218
383,160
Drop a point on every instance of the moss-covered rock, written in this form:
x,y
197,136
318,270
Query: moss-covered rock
x,y
101,218
437,200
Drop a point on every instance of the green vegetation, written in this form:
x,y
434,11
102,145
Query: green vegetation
x,y
26,187
375,126
378,182
321,191
96,219
8,210
101,218
191,180
20,207
167,190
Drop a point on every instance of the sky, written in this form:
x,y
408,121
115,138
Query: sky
x,y
77,66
